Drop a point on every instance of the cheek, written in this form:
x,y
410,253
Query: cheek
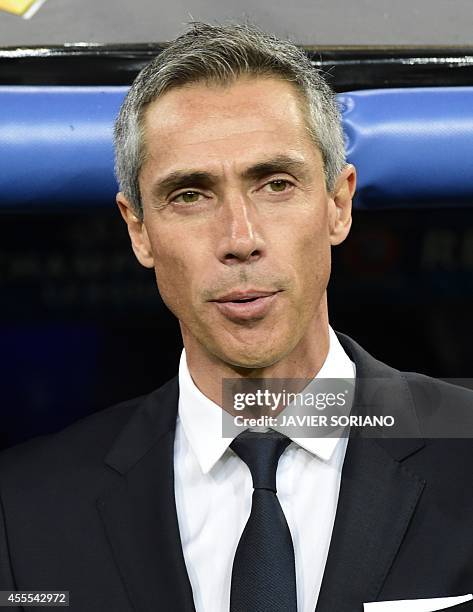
x,y
172,277
179,269
312,262
312,241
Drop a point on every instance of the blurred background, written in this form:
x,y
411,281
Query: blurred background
x,y
81,323
309,22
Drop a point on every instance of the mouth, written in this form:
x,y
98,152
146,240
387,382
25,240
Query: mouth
x,y
246,305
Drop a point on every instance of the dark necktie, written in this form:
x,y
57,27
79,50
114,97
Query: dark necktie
x,y
263,575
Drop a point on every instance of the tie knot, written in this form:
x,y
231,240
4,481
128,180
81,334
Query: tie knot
x,y
261,452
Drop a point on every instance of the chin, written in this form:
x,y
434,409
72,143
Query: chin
x,y
251,357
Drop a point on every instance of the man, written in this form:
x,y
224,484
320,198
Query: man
x,y
234,188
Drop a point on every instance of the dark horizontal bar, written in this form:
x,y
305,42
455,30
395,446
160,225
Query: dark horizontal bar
x,y
346,67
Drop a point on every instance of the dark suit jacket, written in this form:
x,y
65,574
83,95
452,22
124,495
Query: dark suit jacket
x,y
91,509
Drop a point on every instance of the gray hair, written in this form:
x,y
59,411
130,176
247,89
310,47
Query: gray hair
x,y
218,55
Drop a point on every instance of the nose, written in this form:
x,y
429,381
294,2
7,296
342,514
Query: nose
x,y
241,239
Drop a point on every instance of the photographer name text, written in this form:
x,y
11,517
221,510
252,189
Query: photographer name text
x,y
315,420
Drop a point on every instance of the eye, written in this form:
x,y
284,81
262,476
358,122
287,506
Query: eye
x,y
188,197
278,185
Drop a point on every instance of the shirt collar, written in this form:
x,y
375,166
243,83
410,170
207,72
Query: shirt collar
x,y
201,418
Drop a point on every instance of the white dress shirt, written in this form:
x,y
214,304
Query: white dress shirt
x,y
213,489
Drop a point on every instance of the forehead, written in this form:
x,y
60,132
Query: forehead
x,y
226,124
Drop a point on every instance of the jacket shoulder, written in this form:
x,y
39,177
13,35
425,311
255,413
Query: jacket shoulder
x,y
434,390
443,409
76,456
84,442
434,408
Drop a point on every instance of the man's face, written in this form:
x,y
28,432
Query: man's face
x,y
236,208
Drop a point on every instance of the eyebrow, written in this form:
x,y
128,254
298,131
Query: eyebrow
x,y
180,179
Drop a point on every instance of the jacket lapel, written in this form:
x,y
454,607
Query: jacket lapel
x,y
378,496
377,499
139,511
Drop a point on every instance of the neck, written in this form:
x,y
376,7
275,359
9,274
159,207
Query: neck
x,y
304,361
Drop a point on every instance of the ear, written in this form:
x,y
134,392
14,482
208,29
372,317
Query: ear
x,y
138,234
340,205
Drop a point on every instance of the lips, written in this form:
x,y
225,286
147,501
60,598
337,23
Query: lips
x,y
240,306
243,296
